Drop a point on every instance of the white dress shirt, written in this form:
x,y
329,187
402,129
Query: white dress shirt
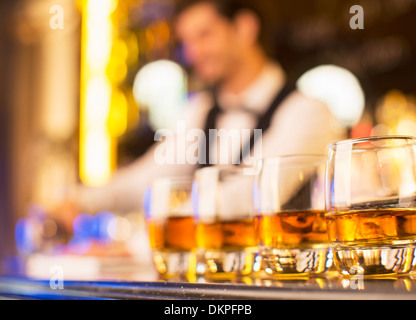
x,y
300,125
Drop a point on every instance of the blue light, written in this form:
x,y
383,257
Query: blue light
x,y
87,227
147,202
256,197
24,236
195,198
101,222
80,245
83,226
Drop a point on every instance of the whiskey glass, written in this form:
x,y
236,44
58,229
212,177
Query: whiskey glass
x,y
171,228
371,205
290,219
223,210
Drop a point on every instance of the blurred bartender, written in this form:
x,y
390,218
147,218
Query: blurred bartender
x,y
221,41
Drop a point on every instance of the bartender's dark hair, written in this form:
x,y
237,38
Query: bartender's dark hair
x,y
228,9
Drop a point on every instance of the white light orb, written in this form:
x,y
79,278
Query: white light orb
x,y
338,88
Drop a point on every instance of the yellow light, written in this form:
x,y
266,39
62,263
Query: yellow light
x,y
406,126
117,66
97,146
116,70
97,104
132,49
96,143
117,119
98,45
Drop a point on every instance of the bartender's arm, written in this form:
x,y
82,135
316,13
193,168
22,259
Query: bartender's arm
x,y
302,125
125,190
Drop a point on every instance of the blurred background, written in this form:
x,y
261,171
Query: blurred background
x,y
77,100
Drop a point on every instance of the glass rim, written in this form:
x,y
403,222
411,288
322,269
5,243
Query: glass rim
x,y
173,179
357,141
225,167
317,158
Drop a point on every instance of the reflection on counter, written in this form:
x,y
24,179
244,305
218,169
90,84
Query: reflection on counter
x,y
95,246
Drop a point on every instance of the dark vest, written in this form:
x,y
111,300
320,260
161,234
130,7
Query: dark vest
x,y
263,121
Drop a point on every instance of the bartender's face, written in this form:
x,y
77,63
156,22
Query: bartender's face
x,y
212,43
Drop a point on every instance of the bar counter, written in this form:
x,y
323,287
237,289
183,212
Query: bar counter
x,y
323,288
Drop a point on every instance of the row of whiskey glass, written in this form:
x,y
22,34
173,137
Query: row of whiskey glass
x,y
352,210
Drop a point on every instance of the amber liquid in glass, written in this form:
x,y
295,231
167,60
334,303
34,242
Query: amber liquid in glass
x,y
175,233
173,242
226,234
293,243
292,229
373,241
227,248
372,226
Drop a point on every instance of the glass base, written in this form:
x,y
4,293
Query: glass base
x,y
374,261
225,264
286,263
175,265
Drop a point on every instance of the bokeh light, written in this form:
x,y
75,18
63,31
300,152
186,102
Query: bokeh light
x,y
338,88
396,114
161,86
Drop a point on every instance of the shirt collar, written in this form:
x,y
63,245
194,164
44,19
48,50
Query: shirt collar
x,y
259,94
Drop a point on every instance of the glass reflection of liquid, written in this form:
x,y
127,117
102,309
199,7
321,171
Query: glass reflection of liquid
x,y
227,247
173,246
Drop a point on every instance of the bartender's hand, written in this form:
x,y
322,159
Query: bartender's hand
x,y
65,210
